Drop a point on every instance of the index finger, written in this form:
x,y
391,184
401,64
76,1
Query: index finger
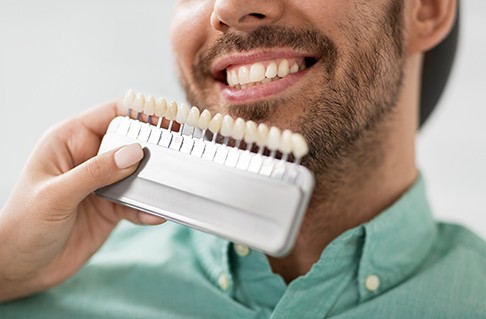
x,y
97,119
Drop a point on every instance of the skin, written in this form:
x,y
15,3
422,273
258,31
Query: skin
x,y
367,162
356,106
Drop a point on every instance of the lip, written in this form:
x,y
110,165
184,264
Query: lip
x,y
261,91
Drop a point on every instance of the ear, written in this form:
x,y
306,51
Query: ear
x,y
430,21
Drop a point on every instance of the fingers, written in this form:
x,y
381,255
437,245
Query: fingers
x,y
97,118
139,217
99,171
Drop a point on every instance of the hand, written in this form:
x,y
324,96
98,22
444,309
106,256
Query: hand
x,y
52,223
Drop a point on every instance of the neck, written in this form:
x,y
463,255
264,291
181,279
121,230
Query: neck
x,y
364,190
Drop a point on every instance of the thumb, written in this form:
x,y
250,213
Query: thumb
x,y
100,171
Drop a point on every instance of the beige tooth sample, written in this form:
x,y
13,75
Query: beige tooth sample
x,y
257,72
271,71
299,146
261,137
193,117
251,132
149,107
243,75
273,138
215,123
171,111
238,129
204,119
128,99
160,107
182,113
139,103
286,142
227,126
283,68
294,68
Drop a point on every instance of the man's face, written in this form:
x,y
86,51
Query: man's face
x,y
345,65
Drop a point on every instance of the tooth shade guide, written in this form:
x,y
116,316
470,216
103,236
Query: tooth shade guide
x,y
237,134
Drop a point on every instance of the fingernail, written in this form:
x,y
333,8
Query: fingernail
x,y
128,155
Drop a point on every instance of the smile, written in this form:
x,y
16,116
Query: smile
x,y
254,76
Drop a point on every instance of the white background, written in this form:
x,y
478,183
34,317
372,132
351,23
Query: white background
x,y
60,57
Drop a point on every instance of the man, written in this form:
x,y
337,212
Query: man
x,y
368,247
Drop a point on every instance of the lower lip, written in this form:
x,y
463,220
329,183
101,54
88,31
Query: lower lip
x,y
261,91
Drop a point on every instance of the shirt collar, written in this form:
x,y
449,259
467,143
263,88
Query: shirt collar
x,y
390,247
397,241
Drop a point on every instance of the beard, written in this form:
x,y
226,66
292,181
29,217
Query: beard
x,y
357,89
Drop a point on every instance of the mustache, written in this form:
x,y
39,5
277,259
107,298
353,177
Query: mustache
x,y
266,37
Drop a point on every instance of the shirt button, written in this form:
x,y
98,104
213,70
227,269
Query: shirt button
x,y
372,283
223,281
241,250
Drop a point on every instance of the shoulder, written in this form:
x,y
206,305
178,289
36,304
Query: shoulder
x,y
450,283
452,280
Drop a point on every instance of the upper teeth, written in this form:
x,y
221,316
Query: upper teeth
x,y
262,72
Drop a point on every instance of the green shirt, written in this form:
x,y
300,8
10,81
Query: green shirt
x,y
401,264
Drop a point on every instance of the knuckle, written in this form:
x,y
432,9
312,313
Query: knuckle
x,y
95,167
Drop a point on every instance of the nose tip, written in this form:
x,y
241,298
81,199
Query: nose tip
x,y
245,15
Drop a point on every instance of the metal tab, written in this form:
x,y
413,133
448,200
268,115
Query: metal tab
x,y
221,154
267,167
244,160
176,142
198,148
165,139
209,151
187,145
124,126
255,163
144,133
233,156
155,135
134,129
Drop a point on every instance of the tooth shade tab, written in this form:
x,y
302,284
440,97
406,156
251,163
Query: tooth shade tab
x,y
299,145
270,139
273,138
160,107
139,103
171,111
286,142
262,134
215,123
182,113
128,99
193,117
149,107
204,119
251,132
227,126
238,129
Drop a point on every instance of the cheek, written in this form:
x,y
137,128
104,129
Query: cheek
x,y
189,31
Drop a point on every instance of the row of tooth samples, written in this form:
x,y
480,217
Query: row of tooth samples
x,y
261,135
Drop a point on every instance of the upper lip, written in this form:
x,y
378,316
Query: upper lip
x,y
221,64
